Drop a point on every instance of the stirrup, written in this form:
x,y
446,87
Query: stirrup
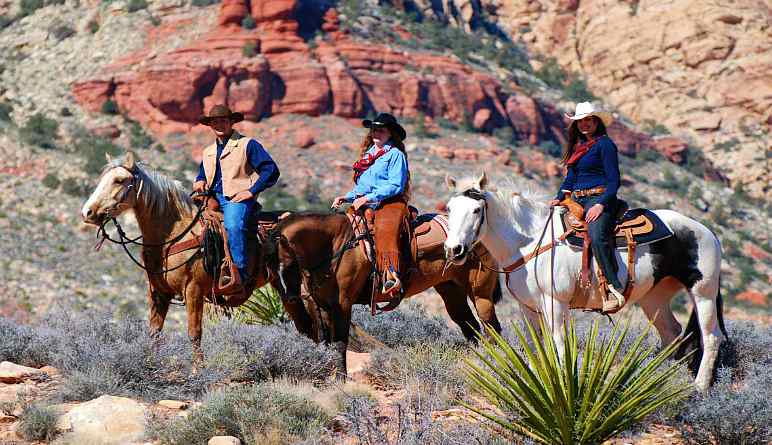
x,y
614,301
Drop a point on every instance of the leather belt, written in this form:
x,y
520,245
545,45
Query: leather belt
x,y
588,192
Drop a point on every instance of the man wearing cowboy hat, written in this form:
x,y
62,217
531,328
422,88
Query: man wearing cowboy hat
x,y
236,168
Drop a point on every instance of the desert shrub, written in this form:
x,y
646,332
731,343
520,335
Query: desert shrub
x,y
248,22
23,344
5,111
40,130
256,353
653,128
95,150
727,145
577,91
109,107
138,138
592,394
75,187
412,423
505,135
433,370
97,355
738,408
648,155
5,21
551,148
51,181
136,5
37,423
407,325
552,73
28,7
204,2
263,307
93,27
258,414
249,49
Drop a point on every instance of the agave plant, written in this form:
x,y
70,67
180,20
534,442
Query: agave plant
x,y
263,307
588,395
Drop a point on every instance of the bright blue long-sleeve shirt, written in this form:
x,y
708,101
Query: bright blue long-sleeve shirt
x,y
598,167
386,178
257,157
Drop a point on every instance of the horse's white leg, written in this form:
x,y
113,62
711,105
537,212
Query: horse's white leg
x,y
704,297
555,312
656,306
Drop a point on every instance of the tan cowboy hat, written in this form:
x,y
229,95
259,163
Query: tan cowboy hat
x,y
220,111
584,109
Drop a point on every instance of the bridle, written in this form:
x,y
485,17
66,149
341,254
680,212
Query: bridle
x,y
124,240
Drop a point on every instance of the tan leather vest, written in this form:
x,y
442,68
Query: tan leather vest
x,y
237,174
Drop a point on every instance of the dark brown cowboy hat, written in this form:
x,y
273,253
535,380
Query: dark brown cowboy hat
x,y
385,120
220,111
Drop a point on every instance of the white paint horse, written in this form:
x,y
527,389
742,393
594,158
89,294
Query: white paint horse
x,y
510,224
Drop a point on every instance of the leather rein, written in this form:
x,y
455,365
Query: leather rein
x,y
520,262
124,240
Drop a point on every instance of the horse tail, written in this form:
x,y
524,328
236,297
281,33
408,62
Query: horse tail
x,y
720,311
497,294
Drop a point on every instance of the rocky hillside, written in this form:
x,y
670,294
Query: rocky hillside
x,y
81,80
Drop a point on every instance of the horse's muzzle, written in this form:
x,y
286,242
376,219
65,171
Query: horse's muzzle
x,y
93,218
456,254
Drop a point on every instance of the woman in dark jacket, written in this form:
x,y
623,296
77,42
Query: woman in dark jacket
x,y
593,180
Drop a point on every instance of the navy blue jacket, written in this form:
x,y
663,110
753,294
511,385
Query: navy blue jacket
x,y
598,167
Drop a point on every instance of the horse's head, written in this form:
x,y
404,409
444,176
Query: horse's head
x,y
115,192
466,216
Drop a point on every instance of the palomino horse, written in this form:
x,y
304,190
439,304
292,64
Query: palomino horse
x,y
164,211
311,254
510,224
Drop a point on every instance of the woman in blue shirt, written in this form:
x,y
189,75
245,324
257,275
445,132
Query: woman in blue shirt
x,y
381,181
593,179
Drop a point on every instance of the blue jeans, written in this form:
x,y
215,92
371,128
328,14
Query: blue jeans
x,y
603,244
238,219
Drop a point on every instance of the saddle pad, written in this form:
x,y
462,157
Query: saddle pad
x,y
430,229
659,230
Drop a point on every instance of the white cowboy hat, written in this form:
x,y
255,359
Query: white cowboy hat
x,y
584,109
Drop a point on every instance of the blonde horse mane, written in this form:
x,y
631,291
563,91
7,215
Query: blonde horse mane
x,y
159,193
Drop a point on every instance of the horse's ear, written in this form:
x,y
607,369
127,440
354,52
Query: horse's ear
x,y
108,157
483,180
130,160
450,181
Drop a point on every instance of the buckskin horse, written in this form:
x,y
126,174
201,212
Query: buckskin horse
x,y
319,252
167,217
509,224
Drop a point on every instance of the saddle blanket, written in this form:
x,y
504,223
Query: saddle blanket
x,y
429,230
652,229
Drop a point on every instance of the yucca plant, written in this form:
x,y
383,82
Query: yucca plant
x,y
263,307
588,395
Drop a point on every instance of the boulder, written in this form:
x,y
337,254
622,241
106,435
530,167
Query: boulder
x,y
304,138
525,118
173,404
481,118
753,297
105,420
672,148
232,12
13,373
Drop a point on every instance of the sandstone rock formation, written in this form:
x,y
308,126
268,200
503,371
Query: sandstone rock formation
x,y
699,68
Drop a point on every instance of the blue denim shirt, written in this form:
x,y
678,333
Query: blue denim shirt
x,y
598,167
386,178
257,157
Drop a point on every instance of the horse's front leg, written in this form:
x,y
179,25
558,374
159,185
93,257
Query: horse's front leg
x,y
341,325
159,307
194,305
554,312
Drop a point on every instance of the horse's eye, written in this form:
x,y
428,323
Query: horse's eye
x,y
476,211
119,180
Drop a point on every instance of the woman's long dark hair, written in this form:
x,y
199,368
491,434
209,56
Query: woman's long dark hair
x,y
394,141
575,136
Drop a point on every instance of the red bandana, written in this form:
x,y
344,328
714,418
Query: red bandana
x,y
367,160
580,150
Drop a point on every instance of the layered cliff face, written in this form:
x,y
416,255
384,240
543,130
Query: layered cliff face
x,y
700,68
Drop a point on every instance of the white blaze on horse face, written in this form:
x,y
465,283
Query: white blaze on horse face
x,y
106,194
464,219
